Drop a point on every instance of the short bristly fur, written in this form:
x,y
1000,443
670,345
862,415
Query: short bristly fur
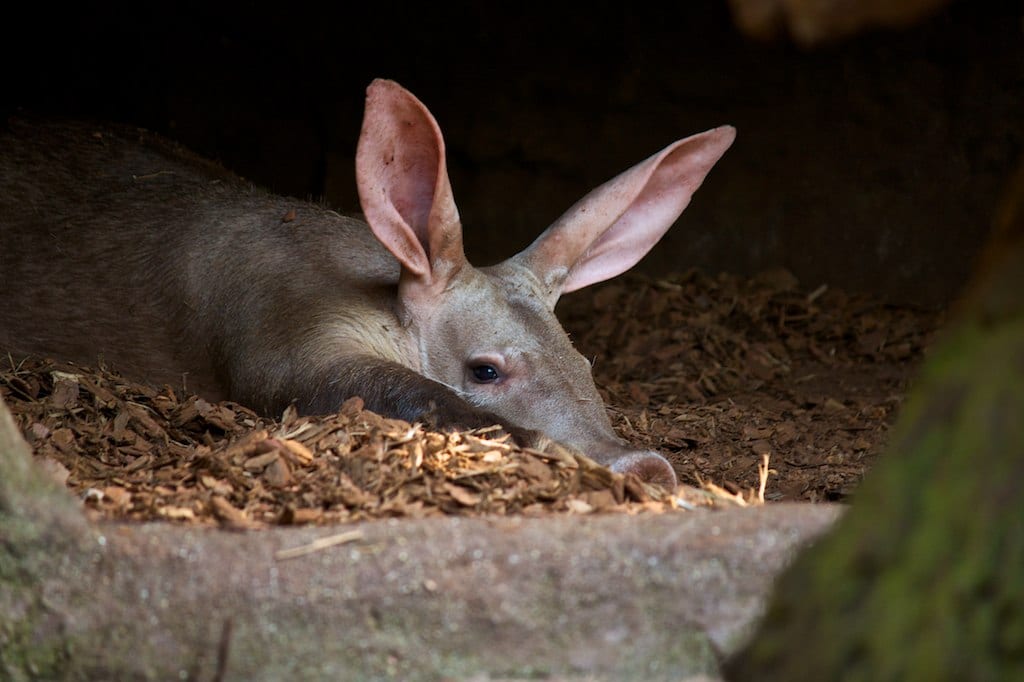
x,y
119,246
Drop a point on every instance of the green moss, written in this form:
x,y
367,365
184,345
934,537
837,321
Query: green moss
x,y
24,654
924,578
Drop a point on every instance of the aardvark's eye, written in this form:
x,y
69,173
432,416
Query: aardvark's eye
x,y
485,374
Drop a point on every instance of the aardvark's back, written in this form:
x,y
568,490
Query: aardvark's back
x,y
115,245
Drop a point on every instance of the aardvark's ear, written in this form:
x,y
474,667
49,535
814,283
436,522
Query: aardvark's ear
x,y
403,184
606,232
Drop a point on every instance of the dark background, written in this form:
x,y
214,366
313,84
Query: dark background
x,y
872,165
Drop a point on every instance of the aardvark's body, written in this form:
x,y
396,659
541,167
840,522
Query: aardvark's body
x,y
118,245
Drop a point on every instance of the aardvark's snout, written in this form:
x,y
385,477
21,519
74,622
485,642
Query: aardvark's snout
x,y
648,465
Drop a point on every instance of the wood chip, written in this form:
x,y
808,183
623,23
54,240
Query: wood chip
x,y
463,496
320,545
65,391
260,462
228,515
296,451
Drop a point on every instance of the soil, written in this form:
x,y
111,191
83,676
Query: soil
x,y
721,374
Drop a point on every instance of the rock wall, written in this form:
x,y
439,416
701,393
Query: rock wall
x,y
870,164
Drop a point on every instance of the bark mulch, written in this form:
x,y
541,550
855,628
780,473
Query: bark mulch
x,y
721,374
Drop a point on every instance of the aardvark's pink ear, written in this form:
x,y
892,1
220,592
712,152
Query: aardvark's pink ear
x,y
403,184
606,232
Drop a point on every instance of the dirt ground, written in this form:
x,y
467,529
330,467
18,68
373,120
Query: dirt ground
x,y
717,373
